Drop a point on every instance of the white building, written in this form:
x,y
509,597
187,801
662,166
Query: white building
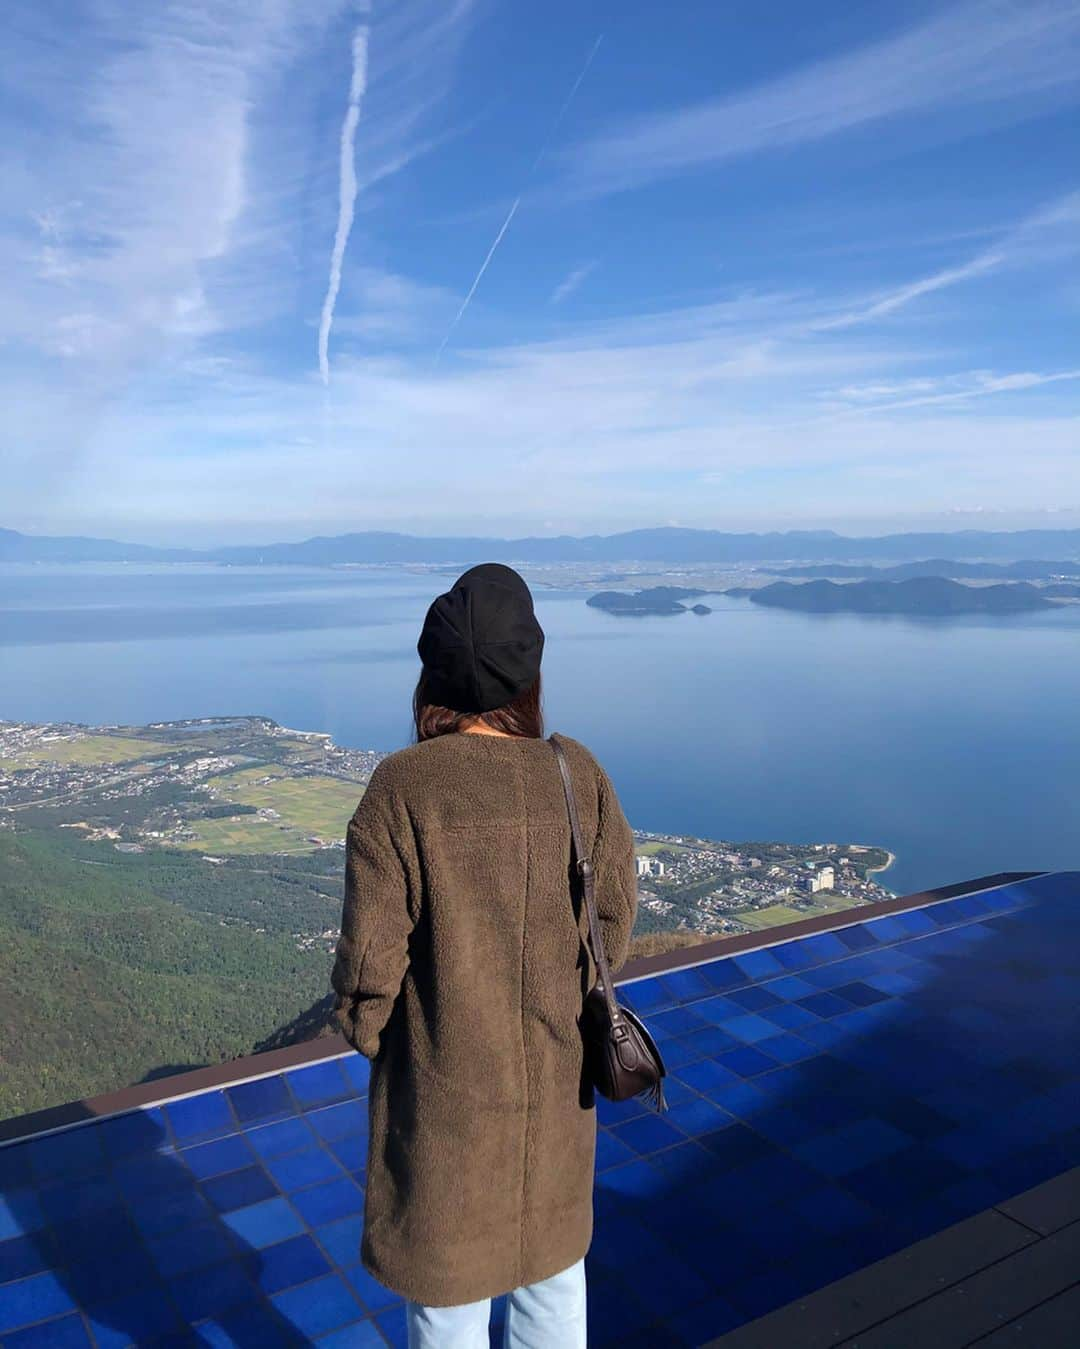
x,y
649,866
822,878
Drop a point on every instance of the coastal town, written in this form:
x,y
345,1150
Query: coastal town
x,y
226,790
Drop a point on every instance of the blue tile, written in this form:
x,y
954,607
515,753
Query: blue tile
x,y
786,1127
358,1335
860,994
738,1145
723,974
675,1092
135,1318
717,1009
33,1299
161,1211
759,964
289,1263
319,1084
698,1115
212,1159
709,1041
831,1209
610,1150
318,1307
16,1172
77,1237
703,1321
755,998
682,985
750,1027
824,1004
237,1189
74,1152
614,1112
323,1203
263,1224
20,1212
635,1180
338,1121
357,1070
188,1248
790,987
790,1017
351,1152
139,1131
705,1075
795,955
260,1101
685,1164
211,1291
676,1053
275,1140
856,938
148,1173
65,1332
823,1034
785,1048
746,1061
204,1116
341,1240
888,928
741,1098
20,1256
675,1021
61,1201
374,1295
646,995
252,1322
393,1326
648,1133
307,1167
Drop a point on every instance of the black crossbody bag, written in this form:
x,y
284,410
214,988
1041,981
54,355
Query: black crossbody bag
x,y
621,1057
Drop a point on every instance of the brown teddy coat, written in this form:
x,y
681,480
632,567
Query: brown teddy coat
x,y
460,973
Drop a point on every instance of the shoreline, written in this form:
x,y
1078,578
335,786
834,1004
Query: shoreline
x,y
873,871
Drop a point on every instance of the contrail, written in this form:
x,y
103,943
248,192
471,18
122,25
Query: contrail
x,y
347,188
517,200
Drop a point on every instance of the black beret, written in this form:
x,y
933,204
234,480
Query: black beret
x,y
480,643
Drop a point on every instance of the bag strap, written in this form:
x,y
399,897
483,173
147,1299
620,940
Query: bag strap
x,y
584,867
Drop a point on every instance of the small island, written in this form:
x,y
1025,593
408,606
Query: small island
x,y
655,600
928,595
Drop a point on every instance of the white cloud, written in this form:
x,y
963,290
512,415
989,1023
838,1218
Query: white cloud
x,y
976,53
571,282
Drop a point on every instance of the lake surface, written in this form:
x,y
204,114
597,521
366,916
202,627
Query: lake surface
x,y
953,742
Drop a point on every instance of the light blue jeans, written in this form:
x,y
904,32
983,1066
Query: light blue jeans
x,y
545,1315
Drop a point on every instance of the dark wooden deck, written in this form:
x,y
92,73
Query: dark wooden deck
x,y
1008,1276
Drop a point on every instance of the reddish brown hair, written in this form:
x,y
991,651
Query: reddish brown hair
x,y
522,717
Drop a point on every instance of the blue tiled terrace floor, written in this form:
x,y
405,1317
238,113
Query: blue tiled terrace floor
x,y
833,1099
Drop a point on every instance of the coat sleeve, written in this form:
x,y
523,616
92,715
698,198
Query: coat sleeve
x,y
616,876
378,916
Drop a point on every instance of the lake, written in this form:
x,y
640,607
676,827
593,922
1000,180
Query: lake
x,y
952,742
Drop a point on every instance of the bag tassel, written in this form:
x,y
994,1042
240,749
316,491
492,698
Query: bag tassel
x,y
654,1096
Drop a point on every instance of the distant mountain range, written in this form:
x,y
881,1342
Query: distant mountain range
x,y
664,545
938,566
919,595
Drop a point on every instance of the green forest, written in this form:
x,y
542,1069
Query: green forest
x,y
119,968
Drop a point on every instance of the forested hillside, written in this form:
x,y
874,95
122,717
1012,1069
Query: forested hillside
x,y
109,978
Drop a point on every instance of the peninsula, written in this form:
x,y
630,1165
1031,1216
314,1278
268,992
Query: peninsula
x,y
930,595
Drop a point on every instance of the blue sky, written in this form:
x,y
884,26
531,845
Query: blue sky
x,y
763,264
